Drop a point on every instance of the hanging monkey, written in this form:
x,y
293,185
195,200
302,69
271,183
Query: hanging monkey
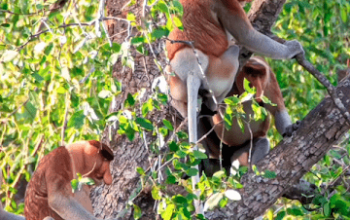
x,y
49,192
211,25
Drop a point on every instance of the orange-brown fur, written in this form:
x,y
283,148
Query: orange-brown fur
x,y
55,172
260,77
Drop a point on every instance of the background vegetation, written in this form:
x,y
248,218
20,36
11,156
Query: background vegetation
x,y
56,87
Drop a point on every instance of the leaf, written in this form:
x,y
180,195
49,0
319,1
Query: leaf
x,y
77,120
104,94
213,201
87,181
233,195
166,215
344,14
140,171
30,109
156,193
180,200
327,209
137,212
74,183
145,123
247,87
199,155
130,101
168,124
192,172
173,146
269,174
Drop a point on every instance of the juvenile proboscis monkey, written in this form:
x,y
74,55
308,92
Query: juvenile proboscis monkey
x,y
260,76
211,25
49,192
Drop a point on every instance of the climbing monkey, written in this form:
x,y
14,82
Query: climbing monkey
x,y
260,76
49,192
210,25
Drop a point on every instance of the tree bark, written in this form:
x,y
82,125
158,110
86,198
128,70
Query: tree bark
x,y
290,160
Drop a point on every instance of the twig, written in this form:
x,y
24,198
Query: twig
x,y
101,11
324,81
206,135
64,126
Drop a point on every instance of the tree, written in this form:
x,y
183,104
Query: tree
x,y
57,87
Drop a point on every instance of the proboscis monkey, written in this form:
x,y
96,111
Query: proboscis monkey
x,y
211,25
260,76
49,192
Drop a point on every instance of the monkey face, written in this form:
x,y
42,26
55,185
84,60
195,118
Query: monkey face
x,y
98,165
102,173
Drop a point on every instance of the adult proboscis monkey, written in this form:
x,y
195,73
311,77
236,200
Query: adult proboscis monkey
x,y
237,143
211,25
49,192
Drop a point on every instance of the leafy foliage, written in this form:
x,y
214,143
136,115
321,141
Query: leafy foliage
x,y
56,86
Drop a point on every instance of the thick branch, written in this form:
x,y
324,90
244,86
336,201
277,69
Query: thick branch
x,y
292,158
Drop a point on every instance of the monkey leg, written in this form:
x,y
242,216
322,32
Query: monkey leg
x,y
261,147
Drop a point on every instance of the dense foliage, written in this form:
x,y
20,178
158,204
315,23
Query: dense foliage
x,y
56,86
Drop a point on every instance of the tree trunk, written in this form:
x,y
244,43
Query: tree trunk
x,y
290,160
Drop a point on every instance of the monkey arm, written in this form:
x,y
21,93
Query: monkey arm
x,y
235,21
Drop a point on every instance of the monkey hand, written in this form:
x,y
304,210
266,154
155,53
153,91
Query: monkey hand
x,y
289,130
293,48
48,218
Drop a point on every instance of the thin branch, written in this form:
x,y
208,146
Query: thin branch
x,y
330,88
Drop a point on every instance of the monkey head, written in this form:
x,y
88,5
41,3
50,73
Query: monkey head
x,y
92,159
257,72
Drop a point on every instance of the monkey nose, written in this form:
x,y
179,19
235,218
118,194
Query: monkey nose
x,y
107,178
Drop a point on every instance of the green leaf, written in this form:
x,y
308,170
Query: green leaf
x,y
74,183
168,213
247,87
171,180
145,123
137,212
156,194
327,209
30,109
179,199
192,172
295,212
173,146
77,120
168,124
344,14
130,101
270,174
140,171
199,155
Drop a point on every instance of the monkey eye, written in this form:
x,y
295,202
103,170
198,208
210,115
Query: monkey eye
x,y
99,177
